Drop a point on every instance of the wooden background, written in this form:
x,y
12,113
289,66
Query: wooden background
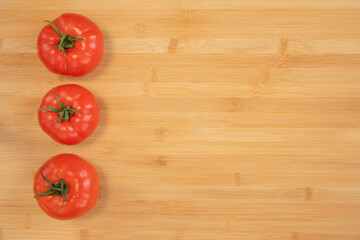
x,y
219,120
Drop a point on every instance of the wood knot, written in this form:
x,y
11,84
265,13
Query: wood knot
x,y
227,224
265,78
152,79
256,88
260,82
140,30
28,221
160,134
309,194
237,178
187,17
141,205
179,235
153,76
177,3
106,148
295,236
84,234
228,119
283,47
235,105
162,162
173,45
100,192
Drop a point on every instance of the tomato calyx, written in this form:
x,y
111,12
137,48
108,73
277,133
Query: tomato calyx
x,y
65,112
59,188
66,41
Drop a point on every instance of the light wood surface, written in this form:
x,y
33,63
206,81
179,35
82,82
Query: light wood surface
x,y
219,120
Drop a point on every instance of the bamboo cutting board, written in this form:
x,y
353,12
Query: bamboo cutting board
x,y
219,120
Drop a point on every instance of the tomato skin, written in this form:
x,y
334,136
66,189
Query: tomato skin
x,y
80,125
79,60
79,175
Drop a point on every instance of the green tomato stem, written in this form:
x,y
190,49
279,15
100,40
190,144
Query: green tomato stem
x,y
59,188
65,112
66,41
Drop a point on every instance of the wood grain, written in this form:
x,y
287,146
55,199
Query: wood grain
x,y
219,120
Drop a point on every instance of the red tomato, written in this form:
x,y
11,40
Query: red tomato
x,y
69,114
71,45
66,186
